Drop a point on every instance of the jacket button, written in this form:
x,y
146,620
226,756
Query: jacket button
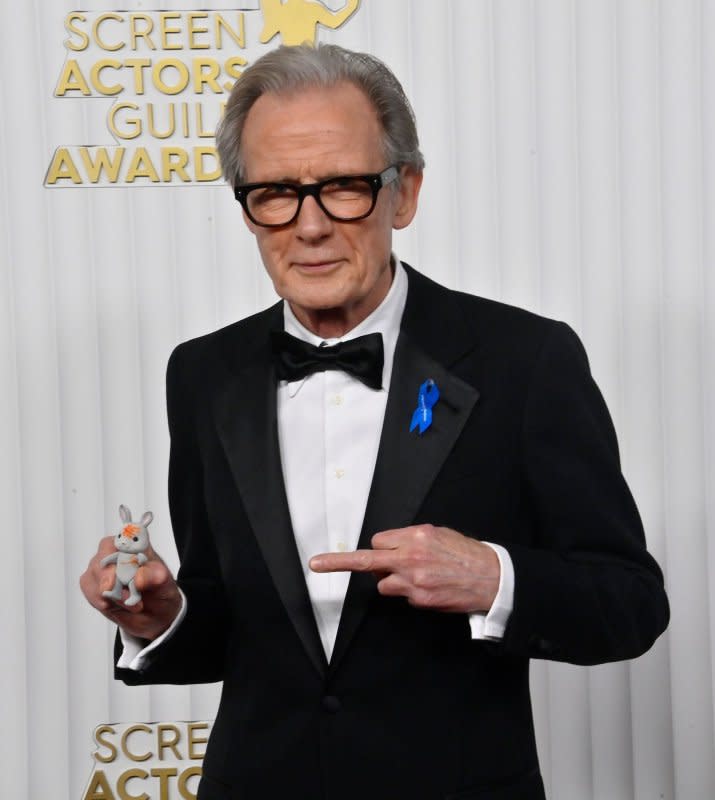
x,y
331,703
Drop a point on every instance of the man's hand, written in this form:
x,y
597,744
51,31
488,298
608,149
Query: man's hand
x,y
435,568
160,603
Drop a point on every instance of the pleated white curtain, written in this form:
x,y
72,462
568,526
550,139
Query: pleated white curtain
x,y
571,169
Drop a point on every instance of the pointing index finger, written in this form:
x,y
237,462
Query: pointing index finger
x,y
357,561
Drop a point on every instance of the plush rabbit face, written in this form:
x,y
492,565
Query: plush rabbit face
x,y
132,539
134,536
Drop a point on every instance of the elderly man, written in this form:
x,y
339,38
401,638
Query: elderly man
x,y
386,496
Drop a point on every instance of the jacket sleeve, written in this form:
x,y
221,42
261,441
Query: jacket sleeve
x,y
195,653
587,591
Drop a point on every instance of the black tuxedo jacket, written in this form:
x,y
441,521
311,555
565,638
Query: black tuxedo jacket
x,y
521,452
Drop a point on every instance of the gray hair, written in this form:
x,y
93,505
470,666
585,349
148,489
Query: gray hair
x,y
287,69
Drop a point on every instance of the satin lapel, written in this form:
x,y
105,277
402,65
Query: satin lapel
x,y
407,463
246,420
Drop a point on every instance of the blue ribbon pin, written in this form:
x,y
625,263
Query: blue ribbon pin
x,y
427,397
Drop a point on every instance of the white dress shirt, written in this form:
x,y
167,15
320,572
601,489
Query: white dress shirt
x,y
329,427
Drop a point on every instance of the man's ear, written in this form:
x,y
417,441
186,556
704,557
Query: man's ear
x,y
406,198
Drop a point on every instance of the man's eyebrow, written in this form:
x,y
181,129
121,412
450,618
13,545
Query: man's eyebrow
x,y
326,177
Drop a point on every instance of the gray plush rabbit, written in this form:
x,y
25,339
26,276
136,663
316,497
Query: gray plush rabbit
x,y
131,542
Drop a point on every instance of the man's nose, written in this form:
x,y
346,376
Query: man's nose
x,y
312,222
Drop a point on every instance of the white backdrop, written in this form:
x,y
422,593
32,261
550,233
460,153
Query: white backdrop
x,y
571,169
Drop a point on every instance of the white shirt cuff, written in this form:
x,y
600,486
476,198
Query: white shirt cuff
x,y
135,650
492,624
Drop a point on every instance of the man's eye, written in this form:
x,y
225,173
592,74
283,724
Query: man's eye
x,y
346,183
270,194
347,187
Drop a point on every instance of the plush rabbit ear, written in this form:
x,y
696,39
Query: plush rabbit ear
x,y
125,514
147,517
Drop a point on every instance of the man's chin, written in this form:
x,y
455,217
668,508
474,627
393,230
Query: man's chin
x,y
318,298
326,306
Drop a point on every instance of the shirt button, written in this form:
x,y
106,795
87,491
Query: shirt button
x,y
342,547
339,473
337,400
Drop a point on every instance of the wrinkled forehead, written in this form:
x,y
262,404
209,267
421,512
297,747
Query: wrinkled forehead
x,y
326,126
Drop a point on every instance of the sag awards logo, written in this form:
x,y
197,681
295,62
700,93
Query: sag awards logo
x,y
160,80
138,761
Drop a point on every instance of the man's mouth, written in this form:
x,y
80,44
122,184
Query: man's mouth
x,y
317,265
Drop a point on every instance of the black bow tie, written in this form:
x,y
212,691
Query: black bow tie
x,y
362,357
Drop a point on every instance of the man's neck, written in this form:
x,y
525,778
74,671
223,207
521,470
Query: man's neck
x,y
329,323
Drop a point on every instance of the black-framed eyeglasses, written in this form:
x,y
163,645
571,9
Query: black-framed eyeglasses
x,y
345,198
